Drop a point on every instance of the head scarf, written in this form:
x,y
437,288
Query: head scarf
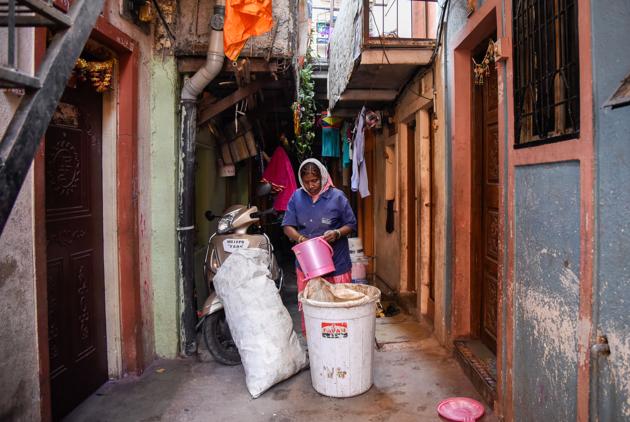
x,y
326,181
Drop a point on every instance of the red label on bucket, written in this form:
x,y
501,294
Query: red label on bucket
x,y
334,329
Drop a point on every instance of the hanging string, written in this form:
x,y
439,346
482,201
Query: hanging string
x,y
482,70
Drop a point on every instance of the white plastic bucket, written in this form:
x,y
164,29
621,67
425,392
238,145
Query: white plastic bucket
x,y
355,245
359,270
340,337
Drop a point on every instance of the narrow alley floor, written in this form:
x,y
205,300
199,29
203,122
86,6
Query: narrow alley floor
x,y
412,374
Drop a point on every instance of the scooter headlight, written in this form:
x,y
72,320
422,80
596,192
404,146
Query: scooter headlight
x,y
225,223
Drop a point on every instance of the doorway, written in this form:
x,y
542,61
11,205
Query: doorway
x,y
485,218
74,249
429,208
412,216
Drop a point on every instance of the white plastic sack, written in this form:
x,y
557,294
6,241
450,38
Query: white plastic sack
x,y
260,324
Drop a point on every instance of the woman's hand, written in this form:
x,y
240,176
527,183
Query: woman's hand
x,y
293,234
331,235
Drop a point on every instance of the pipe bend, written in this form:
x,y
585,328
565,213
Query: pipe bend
x,y
211,68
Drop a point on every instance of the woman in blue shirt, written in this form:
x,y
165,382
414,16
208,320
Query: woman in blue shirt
x,y
320,209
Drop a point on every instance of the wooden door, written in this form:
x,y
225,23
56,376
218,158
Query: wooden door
x,y
74,227
487,185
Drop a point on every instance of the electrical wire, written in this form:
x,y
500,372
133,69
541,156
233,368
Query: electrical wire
x,y
164,23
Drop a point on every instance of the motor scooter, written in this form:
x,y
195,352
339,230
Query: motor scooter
x,y
237,228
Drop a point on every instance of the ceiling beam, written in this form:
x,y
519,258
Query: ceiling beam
x,y
369,95
209,110
256,65
414,56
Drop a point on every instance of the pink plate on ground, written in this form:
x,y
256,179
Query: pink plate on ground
x,y
461,409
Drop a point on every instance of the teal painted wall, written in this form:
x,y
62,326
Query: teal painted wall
x,y
209,196
164,124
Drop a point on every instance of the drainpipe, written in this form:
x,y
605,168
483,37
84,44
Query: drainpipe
x,y
186,176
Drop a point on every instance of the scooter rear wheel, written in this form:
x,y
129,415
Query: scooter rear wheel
x,y
218,339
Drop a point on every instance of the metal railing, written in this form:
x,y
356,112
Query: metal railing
x,y
402,19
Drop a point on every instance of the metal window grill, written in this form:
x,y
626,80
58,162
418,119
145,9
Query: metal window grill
x,y
546,71
399,18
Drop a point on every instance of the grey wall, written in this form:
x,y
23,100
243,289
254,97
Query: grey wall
x,y
611,63
347,32
19,365
546,291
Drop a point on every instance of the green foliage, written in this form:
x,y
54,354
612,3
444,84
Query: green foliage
x,y
307,108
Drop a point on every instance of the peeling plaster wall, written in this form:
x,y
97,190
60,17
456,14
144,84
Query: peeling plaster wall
x,y
163,162
194,21
19,362
546,284
19,366
611,63
348,32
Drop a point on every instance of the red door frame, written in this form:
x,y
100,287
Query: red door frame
x,y
480,25
133,360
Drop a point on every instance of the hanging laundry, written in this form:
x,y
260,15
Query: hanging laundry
x,y
330,135
345,144
359,168
280,174
330,142
244,19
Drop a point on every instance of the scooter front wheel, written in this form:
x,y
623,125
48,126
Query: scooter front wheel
x,y
218,339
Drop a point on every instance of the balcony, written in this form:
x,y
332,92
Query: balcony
x,y
375,48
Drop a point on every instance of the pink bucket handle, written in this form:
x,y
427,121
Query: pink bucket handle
x,y
321,239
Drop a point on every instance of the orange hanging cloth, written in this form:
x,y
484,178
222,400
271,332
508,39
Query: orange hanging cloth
x,y
244,19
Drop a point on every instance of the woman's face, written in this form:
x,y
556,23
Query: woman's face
x,y
312,183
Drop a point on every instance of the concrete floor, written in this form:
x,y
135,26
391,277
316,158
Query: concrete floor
x,y
412,373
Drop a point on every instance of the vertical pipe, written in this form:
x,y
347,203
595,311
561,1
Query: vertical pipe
x,y
186,177
185,223
11,35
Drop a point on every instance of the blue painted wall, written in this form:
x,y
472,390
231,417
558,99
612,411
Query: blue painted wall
x,y
611,63
546,291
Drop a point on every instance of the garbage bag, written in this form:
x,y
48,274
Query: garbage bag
x,y
260,324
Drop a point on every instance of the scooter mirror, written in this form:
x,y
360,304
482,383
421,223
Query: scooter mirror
x,y
263,189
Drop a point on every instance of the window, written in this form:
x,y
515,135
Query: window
x,y
546,71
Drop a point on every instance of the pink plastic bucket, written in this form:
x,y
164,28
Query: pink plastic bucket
x,y
315,257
